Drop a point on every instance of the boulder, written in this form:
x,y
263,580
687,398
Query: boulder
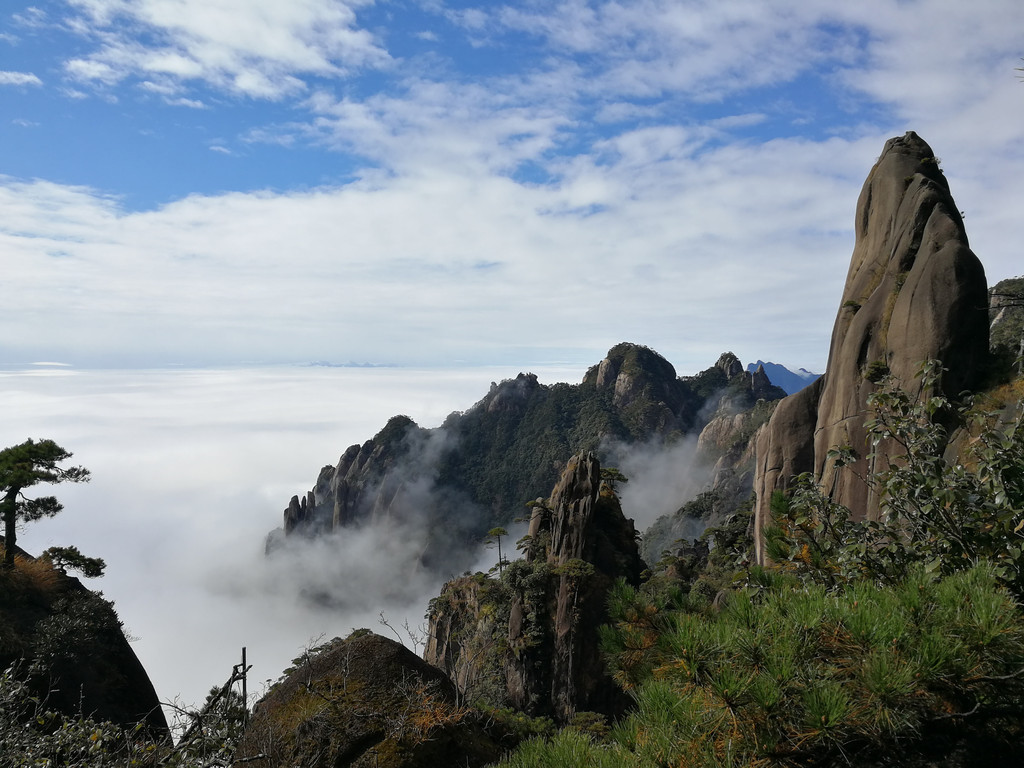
x,y
365,702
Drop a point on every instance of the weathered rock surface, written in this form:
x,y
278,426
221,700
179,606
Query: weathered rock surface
x,y
365,702
68,642
534,634
645,390
914,291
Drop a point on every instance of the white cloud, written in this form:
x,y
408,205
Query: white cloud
x,y
190,103
254,48
500,199
190,471
216,264
649,47
446,127
92,69
31,18
19,78
658,237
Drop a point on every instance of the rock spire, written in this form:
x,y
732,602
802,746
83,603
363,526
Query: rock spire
x,y
914,291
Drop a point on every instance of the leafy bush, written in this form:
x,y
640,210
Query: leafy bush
x,y
938,511
883,642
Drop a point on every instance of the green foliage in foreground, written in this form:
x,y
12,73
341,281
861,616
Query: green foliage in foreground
x,y
34,735
943,513
897,642
785,674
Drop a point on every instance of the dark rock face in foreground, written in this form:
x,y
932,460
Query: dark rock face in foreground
x,y
365,702
68,643
914,291
591,544
532,637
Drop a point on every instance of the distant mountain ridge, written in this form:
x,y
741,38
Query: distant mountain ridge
x,y
480,467
781,376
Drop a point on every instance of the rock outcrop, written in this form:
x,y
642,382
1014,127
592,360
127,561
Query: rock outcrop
x,y
914,291
1006,318
68,643
533,635
365,702
645,390
366,483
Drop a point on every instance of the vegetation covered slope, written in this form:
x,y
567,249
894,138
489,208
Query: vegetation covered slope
x,y
866,643
1006,316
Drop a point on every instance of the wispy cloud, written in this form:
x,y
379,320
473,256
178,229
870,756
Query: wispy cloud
x,y
444,126
605,157
19,78
648,48
255,48
32,17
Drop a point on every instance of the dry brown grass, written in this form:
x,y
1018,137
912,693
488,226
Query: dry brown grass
x,y
1005,395
31,575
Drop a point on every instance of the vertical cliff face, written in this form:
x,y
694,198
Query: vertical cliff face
x,y
533,634
914,291
591,545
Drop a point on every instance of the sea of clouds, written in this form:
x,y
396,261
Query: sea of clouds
x,y
191,469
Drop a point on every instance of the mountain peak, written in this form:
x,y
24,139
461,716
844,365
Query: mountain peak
x,y
789,380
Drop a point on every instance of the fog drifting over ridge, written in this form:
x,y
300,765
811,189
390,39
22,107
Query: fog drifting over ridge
x,y
191,469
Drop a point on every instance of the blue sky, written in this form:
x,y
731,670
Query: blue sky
x,y
225,182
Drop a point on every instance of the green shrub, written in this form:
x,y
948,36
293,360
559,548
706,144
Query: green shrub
x,y
940,511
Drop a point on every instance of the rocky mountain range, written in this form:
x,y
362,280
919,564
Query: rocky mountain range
x,y
914,291
527,638
481,466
